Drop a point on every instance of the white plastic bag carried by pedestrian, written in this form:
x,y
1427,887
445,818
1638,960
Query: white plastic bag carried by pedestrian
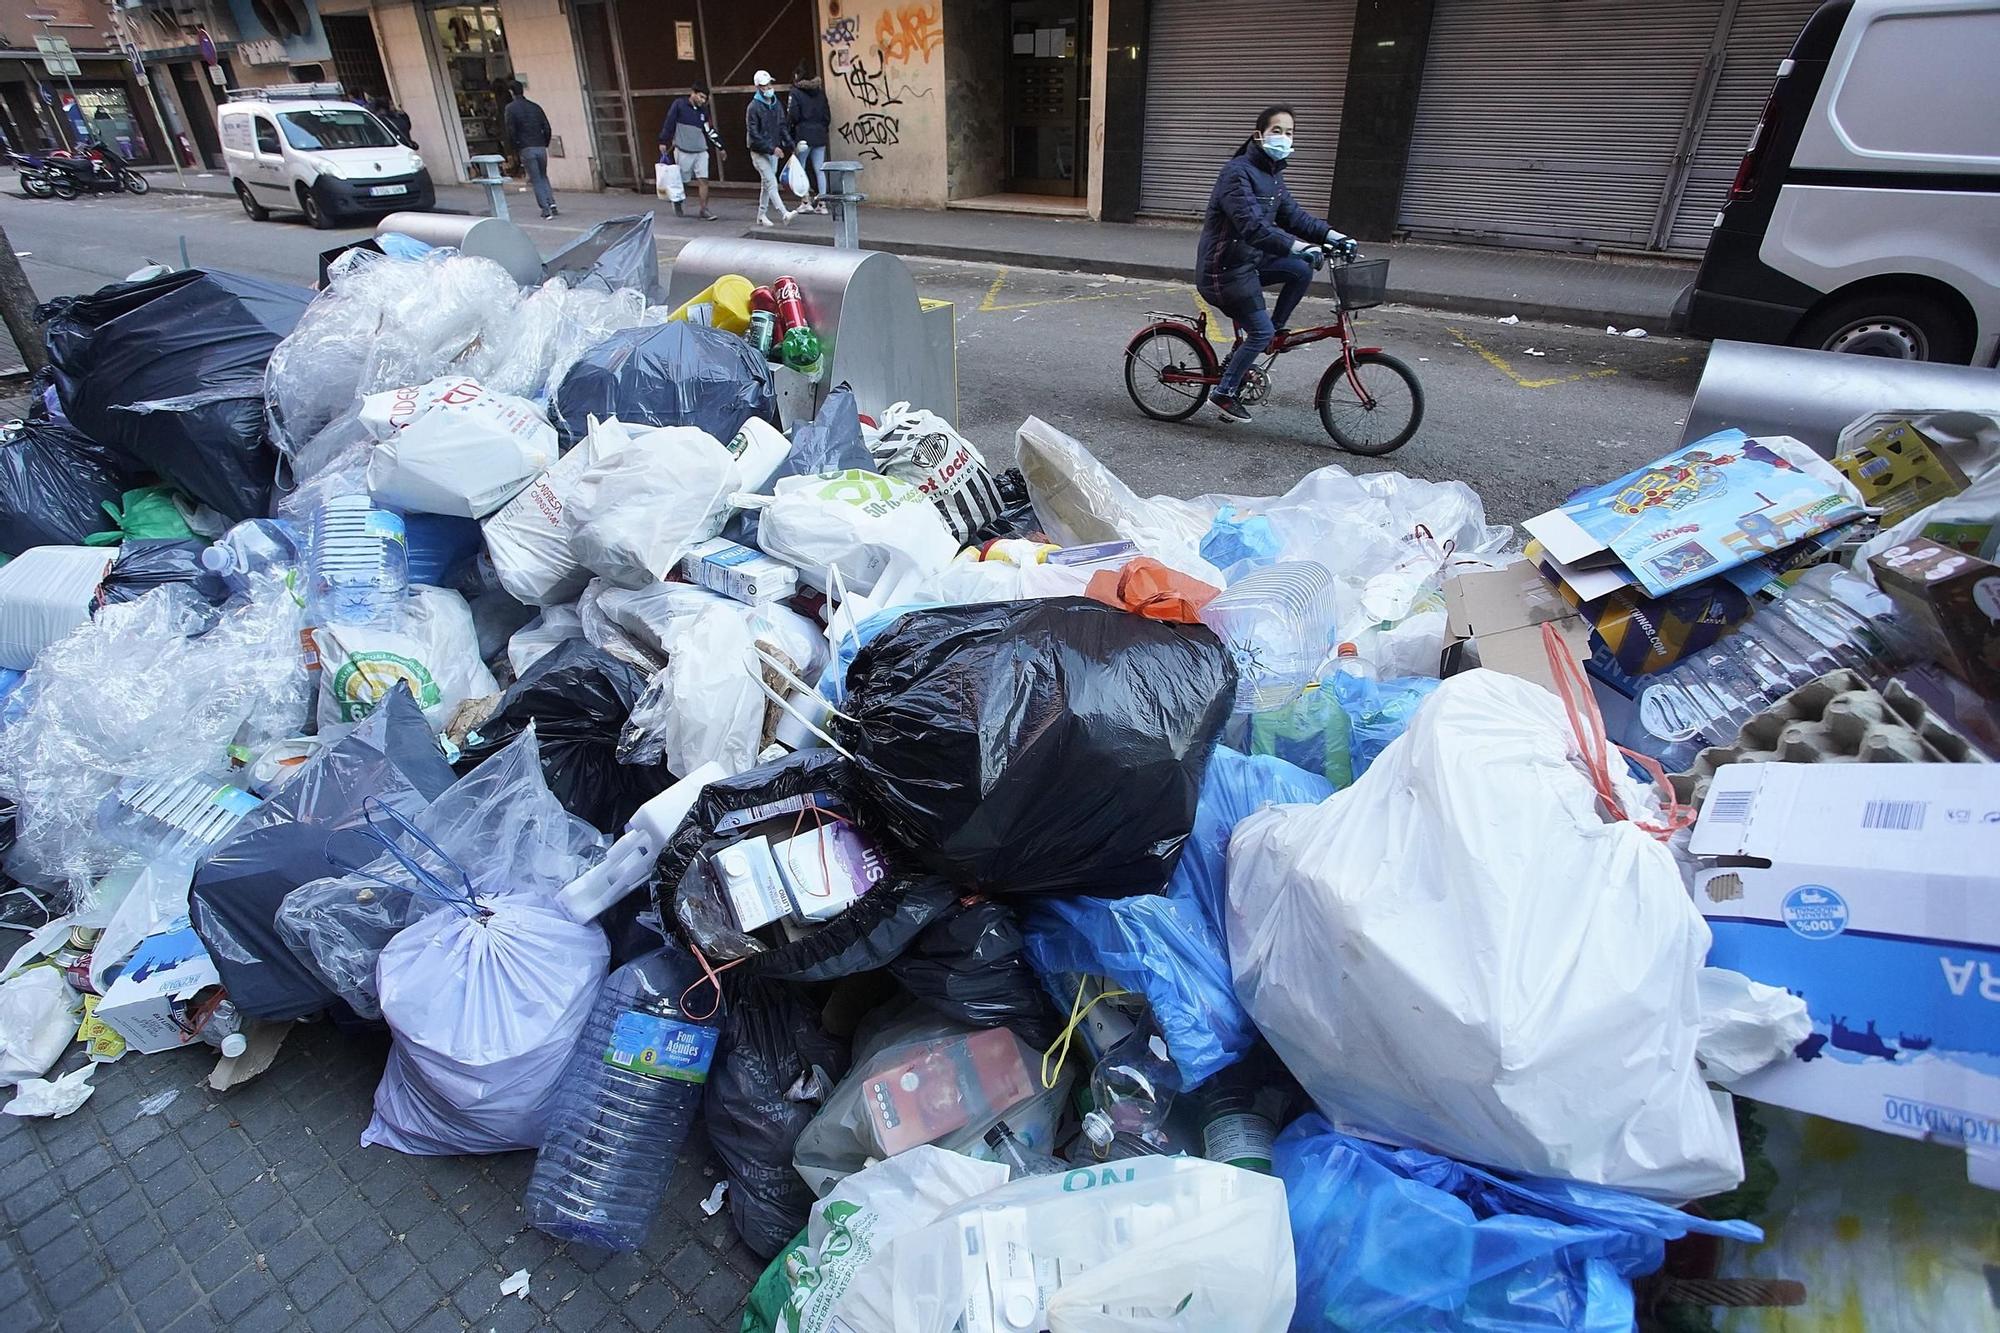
x,y
667,182
1461,952
916,445
859,523
37,1022
452,447
1144,1243
795,177
649,494
435,650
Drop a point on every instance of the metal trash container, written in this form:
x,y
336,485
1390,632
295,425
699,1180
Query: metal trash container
x,y
1812,395
489,238
877,335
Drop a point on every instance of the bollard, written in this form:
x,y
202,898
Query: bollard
x,y
846,201
486,172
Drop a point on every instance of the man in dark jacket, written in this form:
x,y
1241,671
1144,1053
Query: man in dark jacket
x,y
688,135
526,128
1255,235
808,120
764,131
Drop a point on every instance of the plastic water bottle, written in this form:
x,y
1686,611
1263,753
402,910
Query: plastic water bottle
x,y
360,563
1277,622
173,819
1347,660
1021,1160
632,1088
1132,1091
256,546
1828,620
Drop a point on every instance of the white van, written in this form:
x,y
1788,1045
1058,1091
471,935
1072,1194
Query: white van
x,y
305,147
1866,215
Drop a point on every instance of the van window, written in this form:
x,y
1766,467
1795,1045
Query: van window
x,y
1885,103
309,131
267,137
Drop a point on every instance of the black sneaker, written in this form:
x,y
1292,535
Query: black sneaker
x,y
677,211
1229,409
551,213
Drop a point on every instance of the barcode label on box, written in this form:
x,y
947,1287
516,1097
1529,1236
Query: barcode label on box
x,y
1728,807
1904,816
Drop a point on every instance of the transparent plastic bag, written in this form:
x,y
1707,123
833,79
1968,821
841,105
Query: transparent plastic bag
x,y
159,687
541,635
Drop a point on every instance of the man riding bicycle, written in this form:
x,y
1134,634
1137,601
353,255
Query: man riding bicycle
x,y
1253,236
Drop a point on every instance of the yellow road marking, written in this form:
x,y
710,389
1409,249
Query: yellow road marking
x,y
1501,364
991,304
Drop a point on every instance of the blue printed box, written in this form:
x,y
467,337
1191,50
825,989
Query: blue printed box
x,y
1873,892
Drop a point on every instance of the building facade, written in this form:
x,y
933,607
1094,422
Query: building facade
x,y
104,99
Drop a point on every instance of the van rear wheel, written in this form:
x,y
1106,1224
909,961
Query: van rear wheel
x,y
257,212
1904,326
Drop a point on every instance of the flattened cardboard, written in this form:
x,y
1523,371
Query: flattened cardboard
x,y
1504,610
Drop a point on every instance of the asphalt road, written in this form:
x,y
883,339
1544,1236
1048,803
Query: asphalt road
x,y
1525,413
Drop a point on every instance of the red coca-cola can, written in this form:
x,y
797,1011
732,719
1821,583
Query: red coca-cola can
x,y
763,298
791,302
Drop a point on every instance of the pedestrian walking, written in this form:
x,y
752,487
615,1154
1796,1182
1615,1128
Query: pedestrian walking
x,y
764,131
808,120
690,136
526,127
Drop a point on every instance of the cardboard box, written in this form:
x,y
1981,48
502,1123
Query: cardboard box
x,y
826,868
738,571
1503,610
1956,596
945,1085
147,1005
750,881
1899,470
1873,892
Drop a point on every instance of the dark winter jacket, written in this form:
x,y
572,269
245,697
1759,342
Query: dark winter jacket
x,y
526,125
685,112
808,119
1251,220
764,126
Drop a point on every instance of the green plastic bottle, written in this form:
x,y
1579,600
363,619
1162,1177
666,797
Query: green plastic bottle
x,y
801,349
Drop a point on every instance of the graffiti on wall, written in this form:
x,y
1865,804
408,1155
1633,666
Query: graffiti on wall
x,y
876,56
871,133
909,33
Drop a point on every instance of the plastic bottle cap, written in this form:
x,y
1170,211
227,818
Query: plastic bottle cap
x,y
217,560
1348,650
1097,1128
1021,1310
235,1044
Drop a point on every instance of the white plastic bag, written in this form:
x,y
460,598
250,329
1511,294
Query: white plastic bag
x,y
485,1011
45,592
1745,1024
529,539
55,1097
649,494
1143,1243
452,447
854,521
435,651
542,635
919,446
667,183
37,1021
795,177
1460,952
714,712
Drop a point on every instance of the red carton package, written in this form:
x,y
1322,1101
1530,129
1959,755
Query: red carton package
x,y
943,1086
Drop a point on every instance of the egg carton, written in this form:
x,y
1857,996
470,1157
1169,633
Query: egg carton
x,y
1835,719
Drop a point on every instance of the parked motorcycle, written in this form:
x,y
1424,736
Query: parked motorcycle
x,y
34,175
100,170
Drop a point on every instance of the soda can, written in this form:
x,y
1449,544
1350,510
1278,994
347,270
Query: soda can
x,y
791,302
763,332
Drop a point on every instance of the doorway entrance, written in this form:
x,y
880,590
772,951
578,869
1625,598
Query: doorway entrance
x,y
1048,98
471,44
199,106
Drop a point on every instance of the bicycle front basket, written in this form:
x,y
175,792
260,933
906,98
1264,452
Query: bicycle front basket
x,y
1361,284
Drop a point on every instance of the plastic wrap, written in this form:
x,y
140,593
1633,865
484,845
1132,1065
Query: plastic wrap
x,y
542,635
617,253
136,695
54,485
988,736
500,823
168,372
674,375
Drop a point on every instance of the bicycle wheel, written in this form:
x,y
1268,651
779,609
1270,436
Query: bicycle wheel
x,y
1385,420
1162,349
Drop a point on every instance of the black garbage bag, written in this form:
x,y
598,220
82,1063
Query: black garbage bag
x,y
578,698
1051,746
667,375
393,756
616,253
54,484
144,564
169,373
971,965
1018,518
775,1064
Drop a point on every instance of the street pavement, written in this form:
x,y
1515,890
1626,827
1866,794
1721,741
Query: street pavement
x,y
257,1209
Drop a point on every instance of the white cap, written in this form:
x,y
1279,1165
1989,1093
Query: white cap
x,y
762,78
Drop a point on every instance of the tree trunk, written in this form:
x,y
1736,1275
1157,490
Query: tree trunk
x,y
17,307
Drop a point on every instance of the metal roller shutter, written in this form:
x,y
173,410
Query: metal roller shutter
x,y
1211,68
1552,121
1760,35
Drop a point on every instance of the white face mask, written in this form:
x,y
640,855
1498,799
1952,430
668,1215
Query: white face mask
x,y
1278,144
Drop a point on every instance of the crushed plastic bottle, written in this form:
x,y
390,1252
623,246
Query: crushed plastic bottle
x,y
1276,622
173,819
1132,1091
256,546
1018,1157
632,1088
360,564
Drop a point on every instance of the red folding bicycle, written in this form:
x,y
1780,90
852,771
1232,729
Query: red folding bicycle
x,y
1369,402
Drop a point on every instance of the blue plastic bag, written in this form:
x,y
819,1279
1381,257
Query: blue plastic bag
x,y
1169,947
1377,711
1398,1240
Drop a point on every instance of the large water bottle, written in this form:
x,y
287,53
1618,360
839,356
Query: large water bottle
x,y
1132,1092
1829,620
256,546
360,564
632,1087
1278,623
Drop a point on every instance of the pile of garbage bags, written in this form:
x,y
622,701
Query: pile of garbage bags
x,y
1062,908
